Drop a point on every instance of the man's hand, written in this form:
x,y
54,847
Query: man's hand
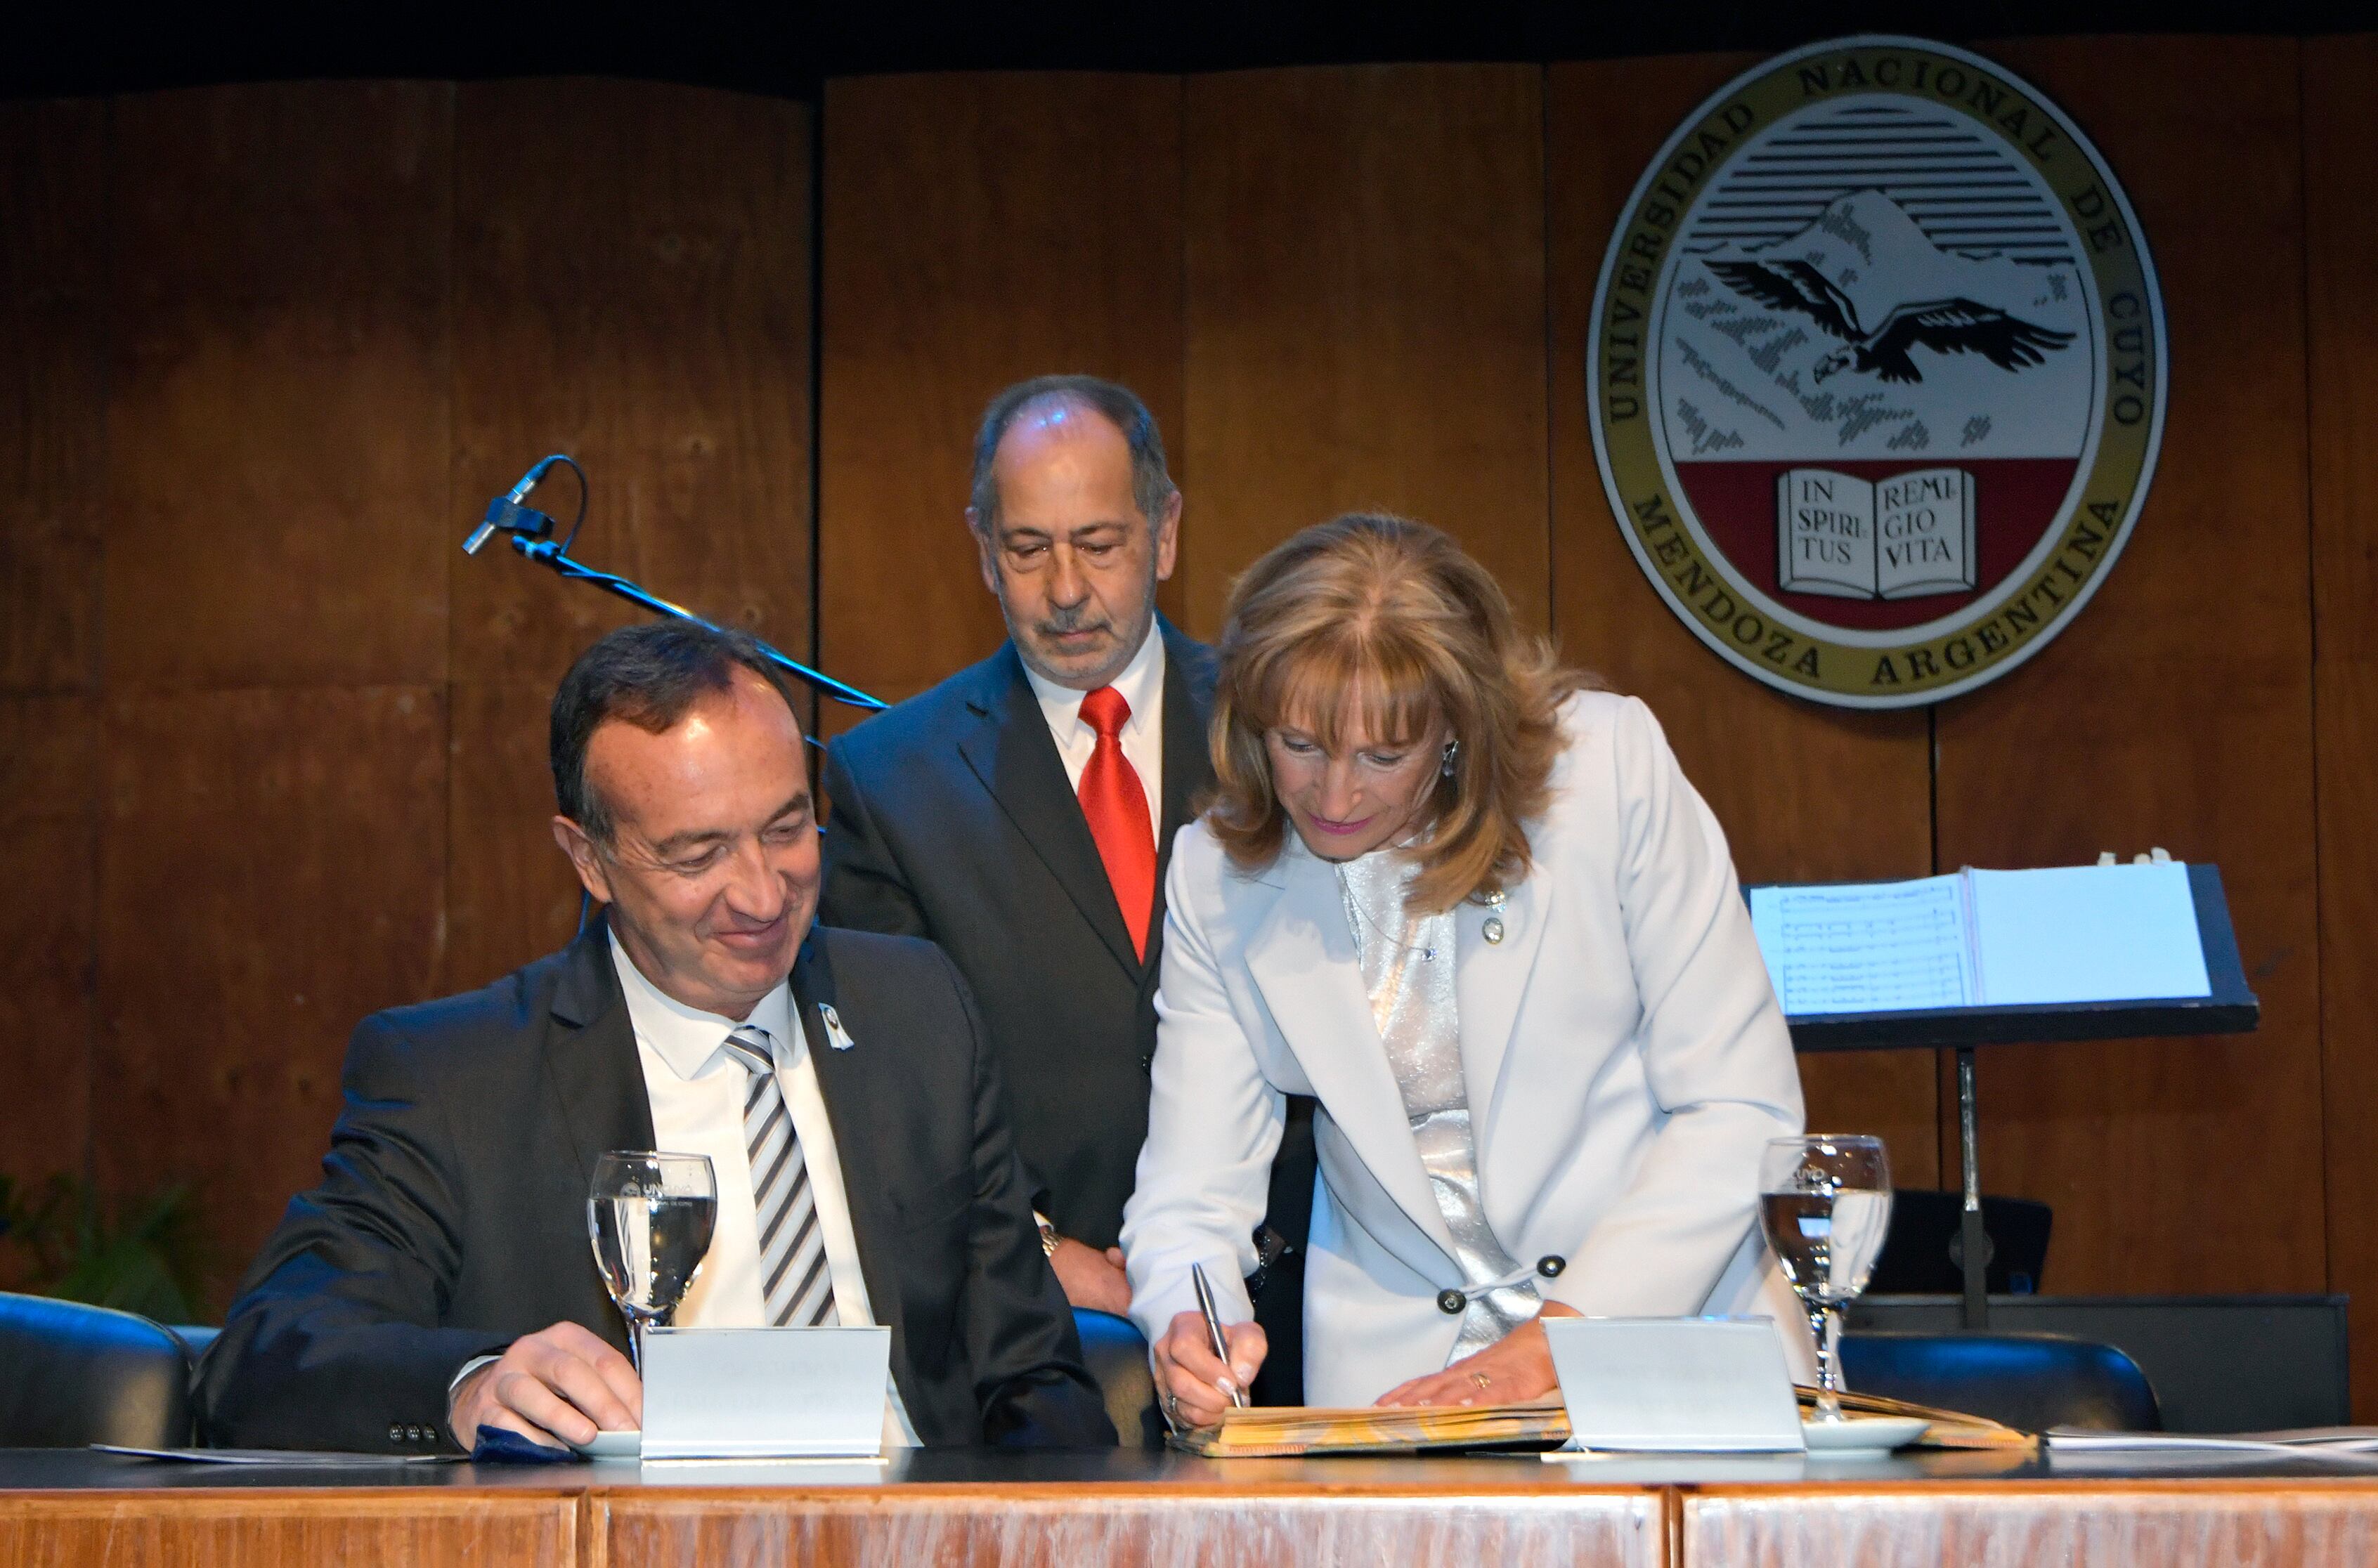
x,y
555,1388
1513,1370
1092,1278
1198,1385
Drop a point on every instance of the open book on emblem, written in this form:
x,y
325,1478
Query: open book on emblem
x,y
1903,538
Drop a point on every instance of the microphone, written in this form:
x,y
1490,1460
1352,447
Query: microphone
x,y
506,512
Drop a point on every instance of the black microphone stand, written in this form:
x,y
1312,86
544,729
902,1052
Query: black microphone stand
x,y
531,533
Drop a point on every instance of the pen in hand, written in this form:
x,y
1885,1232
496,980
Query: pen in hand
x,y
1220,1346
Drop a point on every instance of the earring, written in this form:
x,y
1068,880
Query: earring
x,y
1452,750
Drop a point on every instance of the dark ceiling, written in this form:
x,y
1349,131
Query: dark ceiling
x,y
60,47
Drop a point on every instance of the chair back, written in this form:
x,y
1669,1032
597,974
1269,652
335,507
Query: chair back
x,y
196,1337
72,1375
1924,1251
2028,1381
1117,1357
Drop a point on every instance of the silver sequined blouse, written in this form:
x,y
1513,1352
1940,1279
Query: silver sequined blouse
x,y
1408,972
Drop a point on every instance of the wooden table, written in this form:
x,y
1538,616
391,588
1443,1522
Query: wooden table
x,y
2234,1523
67,1510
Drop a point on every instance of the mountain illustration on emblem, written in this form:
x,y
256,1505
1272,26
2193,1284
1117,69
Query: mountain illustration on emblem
x,y
1858,336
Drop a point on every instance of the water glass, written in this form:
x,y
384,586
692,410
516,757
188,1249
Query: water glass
x,y
1825,1204
650,1216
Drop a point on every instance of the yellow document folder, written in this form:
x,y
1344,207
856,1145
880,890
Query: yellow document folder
x,y
1296,1429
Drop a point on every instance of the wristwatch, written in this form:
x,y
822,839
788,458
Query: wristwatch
x,y
1048,1234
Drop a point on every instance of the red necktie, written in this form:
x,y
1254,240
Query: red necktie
x,y
1116,807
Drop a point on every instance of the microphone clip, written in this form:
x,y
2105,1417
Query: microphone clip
x,y
508,516
528,527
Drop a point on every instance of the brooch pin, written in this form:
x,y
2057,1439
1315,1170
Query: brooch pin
x,y
836,1035
1493,929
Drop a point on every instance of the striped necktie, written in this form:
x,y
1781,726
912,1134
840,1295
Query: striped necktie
x,y
793,1276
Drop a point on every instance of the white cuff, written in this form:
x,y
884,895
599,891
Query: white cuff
x,y
473,1365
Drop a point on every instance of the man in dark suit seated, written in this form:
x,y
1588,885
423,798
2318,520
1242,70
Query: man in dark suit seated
x,y
1021,814
439,1280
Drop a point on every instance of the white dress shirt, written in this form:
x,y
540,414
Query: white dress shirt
x,y
697,1089
1142,686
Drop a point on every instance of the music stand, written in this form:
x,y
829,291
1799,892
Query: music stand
x,y
2230,1009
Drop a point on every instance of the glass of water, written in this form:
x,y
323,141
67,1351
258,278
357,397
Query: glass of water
x,y
1825,1203
650,1217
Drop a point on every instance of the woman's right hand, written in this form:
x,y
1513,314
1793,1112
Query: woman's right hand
x,y
1196,1385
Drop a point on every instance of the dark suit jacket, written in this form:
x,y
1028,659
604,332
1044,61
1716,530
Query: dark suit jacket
x,y
952,819
451,1216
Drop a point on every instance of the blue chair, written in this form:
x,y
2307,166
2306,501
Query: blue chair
x,y
2028,1381
195,1337
72,1375
1117,1357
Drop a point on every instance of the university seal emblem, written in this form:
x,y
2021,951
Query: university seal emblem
x,y
1876,371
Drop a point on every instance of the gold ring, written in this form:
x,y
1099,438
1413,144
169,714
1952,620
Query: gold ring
x,y
1480,1379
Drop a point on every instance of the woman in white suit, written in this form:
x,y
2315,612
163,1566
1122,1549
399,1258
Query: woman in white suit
x,y
1477,911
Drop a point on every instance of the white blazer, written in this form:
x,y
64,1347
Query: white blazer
x,y
1626,1056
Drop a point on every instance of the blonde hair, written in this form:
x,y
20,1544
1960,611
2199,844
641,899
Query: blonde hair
x,y
1390,615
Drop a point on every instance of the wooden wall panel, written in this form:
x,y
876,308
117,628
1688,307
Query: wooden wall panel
x,y
1366,313
2177,711
978,230
510,896
1806,793
52,380
272,869
49,848
631,287
278,423
2341,299
53,484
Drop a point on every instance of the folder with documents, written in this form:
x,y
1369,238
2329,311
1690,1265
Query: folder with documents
x,y
1291,1430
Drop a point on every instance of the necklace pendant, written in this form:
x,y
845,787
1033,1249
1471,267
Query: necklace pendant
x,y
1493,929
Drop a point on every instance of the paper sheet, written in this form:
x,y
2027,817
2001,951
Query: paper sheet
x,y
1865,947
2359,1442
2088,933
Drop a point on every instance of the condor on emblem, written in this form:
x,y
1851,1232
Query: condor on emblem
x,y
1876,371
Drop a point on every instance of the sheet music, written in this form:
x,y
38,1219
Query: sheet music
x,y
1865,947
2050,935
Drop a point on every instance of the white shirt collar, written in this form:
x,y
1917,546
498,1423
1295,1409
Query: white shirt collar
x,y
686,1038
1141,684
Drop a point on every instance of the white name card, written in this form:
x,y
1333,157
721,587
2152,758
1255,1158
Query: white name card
x,y
765,1393
1676,1386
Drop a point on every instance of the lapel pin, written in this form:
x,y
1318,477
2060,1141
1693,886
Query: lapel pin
x,y
836,1035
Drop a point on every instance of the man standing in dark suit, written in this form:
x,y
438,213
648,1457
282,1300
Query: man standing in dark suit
x,y
439,1280
1021,814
